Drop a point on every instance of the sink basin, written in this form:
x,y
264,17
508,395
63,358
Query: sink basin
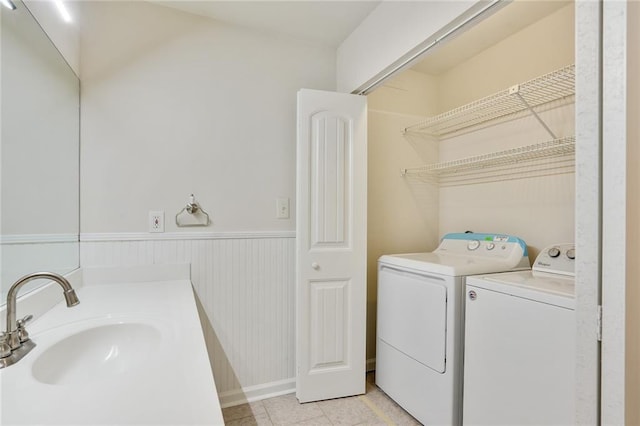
x,y
96,353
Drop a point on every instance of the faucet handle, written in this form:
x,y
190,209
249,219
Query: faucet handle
x,y
23,321
23,335
5,347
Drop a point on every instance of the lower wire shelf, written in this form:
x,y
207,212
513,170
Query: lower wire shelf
x,y
550,157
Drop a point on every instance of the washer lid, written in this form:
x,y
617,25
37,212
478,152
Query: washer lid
x,y
453,265
553,289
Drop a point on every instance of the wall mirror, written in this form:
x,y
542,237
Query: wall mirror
x,y
39,153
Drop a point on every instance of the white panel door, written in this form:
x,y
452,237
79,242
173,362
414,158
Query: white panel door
x,y
331,245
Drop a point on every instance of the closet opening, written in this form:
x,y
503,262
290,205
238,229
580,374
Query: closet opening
x,y
479,136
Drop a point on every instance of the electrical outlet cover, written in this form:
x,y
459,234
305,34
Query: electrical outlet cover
x,y
156,221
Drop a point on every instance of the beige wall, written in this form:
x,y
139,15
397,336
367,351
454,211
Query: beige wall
x,y
541,47
632,391
409,214
540,210
402,214
174,104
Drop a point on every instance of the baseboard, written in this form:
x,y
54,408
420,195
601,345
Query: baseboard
x,y
371,364
257,393
267,390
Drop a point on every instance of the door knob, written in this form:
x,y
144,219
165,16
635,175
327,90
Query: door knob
x,y
315,265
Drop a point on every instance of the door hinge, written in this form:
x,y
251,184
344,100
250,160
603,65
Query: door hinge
x,y
599,323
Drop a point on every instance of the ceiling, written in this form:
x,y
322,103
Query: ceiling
x,y
326,23
329,23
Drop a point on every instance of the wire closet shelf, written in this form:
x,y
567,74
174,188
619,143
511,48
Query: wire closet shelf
x,y
526,97
521,156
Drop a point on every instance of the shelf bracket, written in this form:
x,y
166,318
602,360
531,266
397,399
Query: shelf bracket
x,y
515,90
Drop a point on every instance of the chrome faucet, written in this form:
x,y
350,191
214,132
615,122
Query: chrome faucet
x,y
15,342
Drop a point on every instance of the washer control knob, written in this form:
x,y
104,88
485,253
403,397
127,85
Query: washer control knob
x,y
571,254
473,295
490,246
473,244
553,252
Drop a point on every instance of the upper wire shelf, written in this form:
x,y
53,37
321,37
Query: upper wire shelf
x,y
554,86
511,157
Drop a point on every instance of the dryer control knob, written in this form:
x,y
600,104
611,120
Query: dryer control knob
x,y
490,246
473,244
553,252
571,254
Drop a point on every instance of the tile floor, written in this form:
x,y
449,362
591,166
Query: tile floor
x,y
372,408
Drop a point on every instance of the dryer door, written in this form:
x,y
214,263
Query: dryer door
x,y
412,314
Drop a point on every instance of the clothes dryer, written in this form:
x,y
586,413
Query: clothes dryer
x,y
519,356
420,320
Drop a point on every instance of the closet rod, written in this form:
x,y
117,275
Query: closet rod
x,y
425,49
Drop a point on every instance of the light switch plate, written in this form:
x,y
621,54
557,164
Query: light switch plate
x,y
282,208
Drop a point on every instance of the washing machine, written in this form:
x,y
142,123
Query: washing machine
x,y
420,320
519,355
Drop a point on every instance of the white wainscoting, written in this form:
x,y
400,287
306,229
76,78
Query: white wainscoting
x,y
245,286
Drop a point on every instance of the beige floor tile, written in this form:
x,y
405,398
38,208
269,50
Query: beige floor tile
x,y
393,411
259,420
317,421
348,411
252,409
286,410
374,408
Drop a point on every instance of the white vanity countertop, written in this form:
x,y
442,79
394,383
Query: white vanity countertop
x,y
159,373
